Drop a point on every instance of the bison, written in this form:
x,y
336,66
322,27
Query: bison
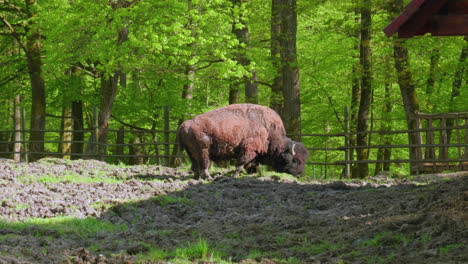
x,y
251,134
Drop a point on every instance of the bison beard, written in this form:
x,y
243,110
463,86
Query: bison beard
x,y
250,134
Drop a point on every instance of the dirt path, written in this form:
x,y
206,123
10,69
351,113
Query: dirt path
x,y
249,220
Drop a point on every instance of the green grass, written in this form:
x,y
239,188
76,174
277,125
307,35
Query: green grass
x,y
69,178
199,250
165,200
446,249
63,226
255,254
388,239
317,248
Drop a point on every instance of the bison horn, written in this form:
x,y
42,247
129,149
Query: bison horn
x,y
292,150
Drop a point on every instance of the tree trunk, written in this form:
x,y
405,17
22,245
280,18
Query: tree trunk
x,y
38,94
410,100
5,136
137,150
240,28
431,79
355,96
78,127
109,87
290,70
187,94
66,128
386,125
234,95
366,89
276,97
458,83
119,149
460,73
187,91
407,89
355,93
32,49
17,143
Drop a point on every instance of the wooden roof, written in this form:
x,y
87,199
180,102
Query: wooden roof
x,y
437,17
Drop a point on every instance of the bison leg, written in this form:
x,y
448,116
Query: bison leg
x,y
205,163
195,165
242,160
238,169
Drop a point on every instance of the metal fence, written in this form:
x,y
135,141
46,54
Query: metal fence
x,y
443,146
155,146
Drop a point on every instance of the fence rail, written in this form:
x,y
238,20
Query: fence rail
x,y
159,146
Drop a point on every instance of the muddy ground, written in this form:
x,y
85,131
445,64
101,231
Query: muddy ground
x,y
249,220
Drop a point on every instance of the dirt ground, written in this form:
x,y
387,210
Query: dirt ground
x,y
250,219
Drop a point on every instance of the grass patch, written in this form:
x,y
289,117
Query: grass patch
x,y
317,248
63,226
255,254
68,178
389,240
199,250
167,200
447,249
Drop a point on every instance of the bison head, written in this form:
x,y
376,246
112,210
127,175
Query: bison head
x,y
292,160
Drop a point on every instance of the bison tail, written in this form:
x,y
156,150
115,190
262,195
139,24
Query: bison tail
x,y
179,139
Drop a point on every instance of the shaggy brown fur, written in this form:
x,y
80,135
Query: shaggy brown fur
x,y
243,132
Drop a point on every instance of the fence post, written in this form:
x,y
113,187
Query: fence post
x,y
96,131
17,144
457,124
166,135
347,150
120,142
443,139
23,127
466,139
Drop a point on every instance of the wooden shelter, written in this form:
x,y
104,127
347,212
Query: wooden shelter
x,y
437,17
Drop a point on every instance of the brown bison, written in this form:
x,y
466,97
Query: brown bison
x,y
250,134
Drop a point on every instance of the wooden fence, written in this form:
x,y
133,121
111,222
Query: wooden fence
x,y
443,146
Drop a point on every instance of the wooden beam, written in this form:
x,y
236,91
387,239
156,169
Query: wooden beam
x,y
457,7
418,20
410,9
450,25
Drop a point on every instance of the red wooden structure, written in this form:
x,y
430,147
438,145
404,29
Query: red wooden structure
x,y
437,17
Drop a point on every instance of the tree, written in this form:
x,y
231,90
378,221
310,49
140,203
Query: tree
x,y
291,113
407,88
458,83
366,88
276,97
29,38
241,30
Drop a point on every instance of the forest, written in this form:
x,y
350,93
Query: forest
x,y
92,93
148,65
